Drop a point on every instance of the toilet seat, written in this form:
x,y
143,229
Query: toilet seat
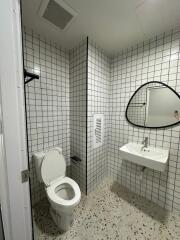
x,y
52,195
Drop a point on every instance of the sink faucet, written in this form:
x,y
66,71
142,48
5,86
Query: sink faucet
x,y
145,143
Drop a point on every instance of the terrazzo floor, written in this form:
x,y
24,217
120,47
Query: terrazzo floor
x,y
110,212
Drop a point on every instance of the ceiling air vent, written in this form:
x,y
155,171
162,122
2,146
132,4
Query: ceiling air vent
x,y
57,13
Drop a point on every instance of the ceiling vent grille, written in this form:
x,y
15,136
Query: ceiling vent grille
x,y
57,13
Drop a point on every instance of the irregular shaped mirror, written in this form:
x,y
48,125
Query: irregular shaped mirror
x,y
154,105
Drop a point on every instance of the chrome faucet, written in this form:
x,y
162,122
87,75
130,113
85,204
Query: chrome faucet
x,y
145,143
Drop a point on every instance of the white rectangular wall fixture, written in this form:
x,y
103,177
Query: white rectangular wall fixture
x,y
98,130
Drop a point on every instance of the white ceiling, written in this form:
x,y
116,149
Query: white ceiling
x,y
113,24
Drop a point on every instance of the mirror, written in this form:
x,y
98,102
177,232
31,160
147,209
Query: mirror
x,y
154,105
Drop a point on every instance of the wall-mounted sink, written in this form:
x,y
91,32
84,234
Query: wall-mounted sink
x,y
155,158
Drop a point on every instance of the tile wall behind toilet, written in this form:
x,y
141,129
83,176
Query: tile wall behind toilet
x,y
157,59
47,101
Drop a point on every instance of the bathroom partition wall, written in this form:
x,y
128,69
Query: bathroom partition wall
x,y
98,103
89,95
78,113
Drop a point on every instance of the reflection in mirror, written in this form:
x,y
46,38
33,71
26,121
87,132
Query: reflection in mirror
x,y
154,105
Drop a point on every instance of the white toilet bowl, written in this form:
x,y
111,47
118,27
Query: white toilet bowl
x,y
62,192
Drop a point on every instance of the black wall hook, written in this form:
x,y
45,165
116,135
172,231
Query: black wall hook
x,y
31,76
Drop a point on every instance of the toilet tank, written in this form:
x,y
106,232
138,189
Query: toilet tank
x,y
38,158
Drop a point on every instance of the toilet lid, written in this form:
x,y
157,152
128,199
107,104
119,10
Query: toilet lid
x,y
53,166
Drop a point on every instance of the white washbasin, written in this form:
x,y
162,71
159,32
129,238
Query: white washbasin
x,y
155,158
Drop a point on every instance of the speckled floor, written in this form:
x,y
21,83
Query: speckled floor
x,y
111,212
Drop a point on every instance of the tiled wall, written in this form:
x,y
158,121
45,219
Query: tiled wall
x,y
156,59
98,102
47,101
78,111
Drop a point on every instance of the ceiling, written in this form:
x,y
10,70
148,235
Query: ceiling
x,y
113,24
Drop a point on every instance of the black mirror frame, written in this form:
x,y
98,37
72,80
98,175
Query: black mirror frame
x,y
137,91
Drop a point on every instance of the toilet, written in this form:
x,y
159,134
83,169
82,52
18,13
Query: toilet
x,y
63,193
